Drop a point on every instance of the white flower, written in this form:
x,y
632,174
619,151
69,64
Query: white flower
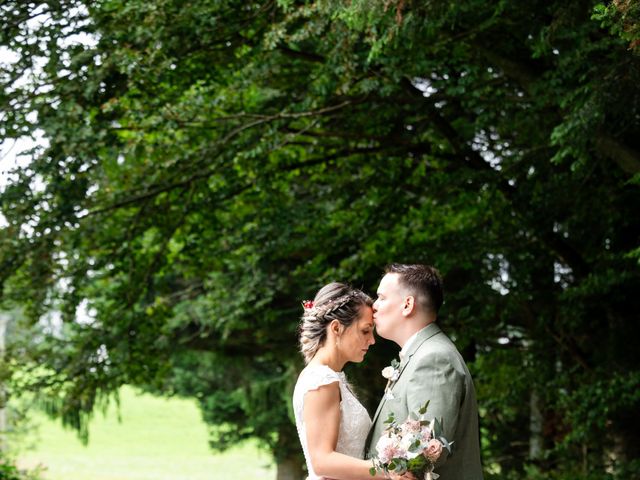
x,y
405,445
390,373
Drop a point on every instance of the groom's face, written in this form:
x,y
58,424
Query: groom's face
x,y
387,309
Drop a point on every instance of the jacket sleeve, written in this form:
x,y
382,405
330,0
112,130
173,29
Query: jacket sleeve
x,y
435,379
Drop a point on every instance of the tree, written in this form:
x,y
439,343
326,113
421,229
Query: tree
x,y
210,164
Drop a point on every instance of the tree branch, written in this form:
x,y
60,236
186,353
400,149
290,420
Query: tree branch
x,y
626,158
565,252
257,117
312,57
522,73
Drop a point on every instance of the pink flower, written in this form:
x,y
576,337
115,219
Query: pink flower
x,y
433,450
411,426
388,448
425,434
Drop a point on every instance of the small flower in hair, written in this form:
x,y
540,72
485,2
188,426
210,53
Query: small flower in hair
x,y
307,304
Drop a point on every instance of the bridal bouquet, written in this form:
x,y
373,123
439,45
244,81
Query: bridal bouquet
x,y
413,446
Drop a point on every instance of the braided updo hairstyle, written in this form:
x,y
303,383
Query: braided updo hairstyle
x,y
335,301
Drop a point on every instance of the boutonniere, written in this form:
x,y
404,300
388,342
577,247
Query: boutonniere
x,y
391,373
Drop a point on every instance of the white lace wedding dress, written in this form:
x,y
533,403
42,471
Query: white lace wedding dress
x,y
354,419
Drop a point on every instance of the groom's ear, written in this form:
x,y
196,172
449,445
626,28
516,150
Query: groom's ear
x,y
408,305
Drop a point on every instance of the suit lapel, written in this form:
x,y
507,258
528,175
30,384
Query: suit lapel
x,y
380,405
425,334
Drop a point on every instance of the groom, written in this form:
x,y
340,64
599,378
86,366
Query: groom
x,y
431,368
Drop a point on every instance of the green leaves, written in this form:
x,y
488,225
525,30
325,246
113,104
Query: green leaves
x,y
209,164
622,19
390,419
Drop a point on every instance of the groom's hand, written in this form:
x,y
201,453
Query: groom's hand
x,y
405,476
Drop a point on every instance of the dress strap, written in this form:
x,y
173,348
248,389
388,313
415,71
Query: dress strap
x,y
314,377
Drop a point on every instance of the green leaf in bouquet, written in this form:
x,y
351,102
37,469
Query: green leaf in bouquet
x,y
445,443
414,446
417,465
400,465
437,427
423,409
372,471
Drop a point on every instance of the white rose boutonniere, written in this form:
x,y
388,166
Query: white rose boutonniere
x,y
391,373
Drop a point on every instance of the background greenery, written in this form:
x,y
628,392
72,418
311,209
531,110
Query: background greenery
x,y
208,164
147,438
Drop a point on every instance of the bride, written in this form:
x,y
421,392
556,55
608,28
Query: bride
x,y
337,327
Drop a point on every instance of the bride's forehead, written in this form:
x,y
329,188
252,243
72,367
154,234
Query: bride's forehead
x,y
366,317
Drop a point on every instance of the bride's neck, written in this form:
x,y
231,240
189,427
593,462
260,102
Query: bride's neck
x,y
329,357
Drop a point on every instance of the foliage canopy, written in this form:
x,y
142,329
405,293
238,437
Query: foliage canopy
x,y
208,164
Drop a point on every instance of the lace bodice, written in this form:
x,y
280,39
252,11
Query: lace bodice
x,y
354,419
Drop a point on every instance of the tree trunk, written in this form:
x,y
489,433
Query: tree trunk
x,y
290,469
4,320
535,427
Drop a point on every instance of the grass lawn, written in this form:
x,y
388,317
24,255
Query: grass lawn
x,y
157,439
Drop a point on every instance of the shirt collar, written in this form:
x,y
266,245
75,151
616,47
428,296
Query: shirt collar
x,y
407,345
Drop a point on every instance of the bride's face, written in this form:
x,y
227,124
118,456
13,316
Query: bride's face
x,y
358,337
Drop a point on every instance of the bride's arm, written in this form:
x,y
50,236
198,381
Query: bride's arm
x,y
321,415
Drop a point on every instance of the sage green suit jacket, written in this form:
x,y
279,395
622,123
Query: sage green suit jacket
x,y
434,370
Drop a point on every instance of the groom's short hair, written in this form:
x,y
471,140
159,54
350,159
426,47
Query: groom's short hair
x,y
424,281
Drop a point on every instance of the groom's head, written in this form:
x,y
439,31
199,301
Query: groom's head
x,y
422,281
409,297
